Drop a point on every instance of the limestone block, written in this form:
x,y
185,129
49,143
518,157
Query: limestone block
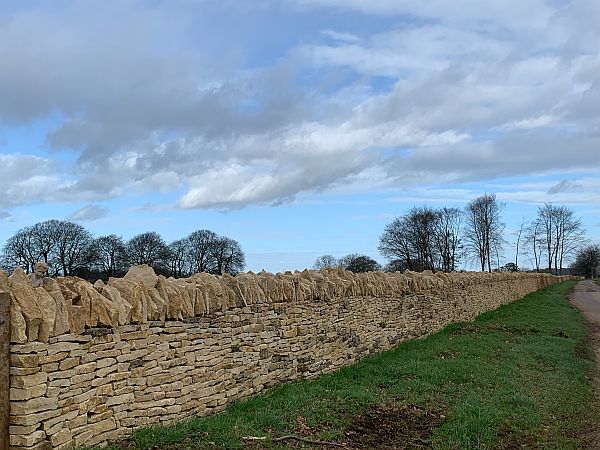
x,y
18,325
187,296
32,406
120,399
201,305
32,419
77,307
24,296
143,273
85,434
78,318
47,307
101,311
132,292
123,307
28,440
28,381
157,305
20,429
175,305
61,437
24,360
61,322
4,283
27,393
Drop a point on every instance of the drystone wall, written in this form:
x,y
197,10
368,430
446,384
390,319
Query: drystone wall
x,y
89,363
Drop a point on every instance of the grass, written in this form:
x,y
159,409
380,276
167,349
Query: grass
x,y
519,376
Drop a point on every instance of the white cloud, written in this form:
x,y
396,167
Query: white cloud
x,y
339,36
89,212
530,123
420,94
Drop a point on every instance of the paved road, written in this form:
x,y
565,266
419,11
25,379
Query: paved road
x,y
586,297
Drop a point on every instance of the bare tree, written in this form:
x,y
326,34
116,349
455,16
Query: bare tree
x,y
483,229
178,258
534,242
396,243
562,234
147,248
201,244
111,254
44,238
19,251
412,239
227,255
63,245
518,235
572,236
325,262
587,262
447,237
73,247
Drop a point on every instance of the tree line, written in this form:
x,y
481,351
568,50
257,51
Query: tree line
x,y
70,249
440,239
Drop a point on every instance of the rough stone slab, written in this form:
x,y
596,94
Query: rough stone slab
x,y
33,405
32,419
39,390
24,361
27,440
61,437
27,381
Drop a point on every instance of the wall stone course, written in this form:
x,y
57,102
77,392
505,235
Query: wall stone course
x,y
147,349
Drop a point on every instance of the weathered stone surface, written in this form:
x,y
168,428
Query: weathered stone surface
x,y
61,322
143,273
3,281
61,437
33,405
25,297
157,305
123,306
31,419
27,381
18,325
47,307
78,311
30,392
28,440
21,360
101,312
132,292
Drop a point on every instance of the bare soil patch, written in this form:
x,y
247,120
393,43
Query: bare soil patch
x,y
394,426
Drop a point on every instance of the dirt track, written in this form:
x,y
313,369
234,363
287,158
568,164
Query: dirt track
x,y
586,297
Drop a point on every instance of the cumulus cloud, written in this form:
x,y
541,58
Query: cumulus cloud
x,y
26,179
419,93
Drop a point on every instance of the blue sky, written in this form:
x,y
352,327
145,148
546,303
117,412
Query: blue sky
x,y
297,127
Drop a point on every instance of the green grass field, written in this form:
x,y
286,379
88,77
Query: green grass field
x,y
517,377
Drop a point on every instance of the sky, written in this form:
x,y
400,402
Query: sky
x,y
297,127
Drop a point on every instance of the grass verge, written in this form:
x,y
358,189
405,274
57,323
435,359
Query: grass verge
x,y
517,377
